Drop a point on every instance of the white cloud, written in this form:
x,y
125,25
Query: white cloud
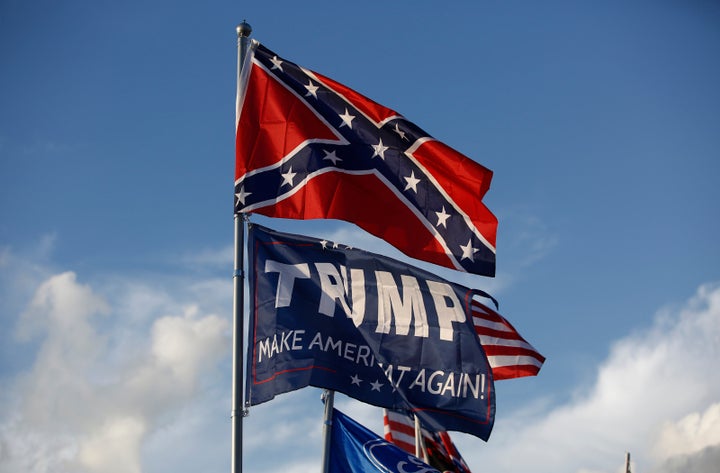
x,y
649,380
104,380
114,447
135,363
689,435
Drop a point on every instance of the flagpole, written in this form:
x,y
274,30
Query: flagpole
x,y
329,398
243,31
420,450
418,437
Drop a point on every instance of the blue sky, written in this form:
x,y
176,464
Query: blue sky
x,y
602,125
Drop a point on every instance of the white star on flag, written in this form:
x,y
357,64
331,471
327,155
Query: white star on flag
x,y
288,177
312,89
277,63
412,182
331,156
379,149
347,119
442,217
242,194
468,250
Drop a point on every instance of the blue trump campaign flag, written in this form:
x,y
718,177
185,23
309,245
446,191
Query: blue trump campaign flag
x,y
355,449
379,330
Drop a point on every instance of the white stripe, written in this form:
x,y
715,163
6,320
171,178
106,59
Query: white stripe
x,y
504,342
400,437
478,322
503,361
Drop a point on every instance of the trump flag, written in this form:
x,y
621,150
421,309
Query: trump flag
x,y
308,147
379,330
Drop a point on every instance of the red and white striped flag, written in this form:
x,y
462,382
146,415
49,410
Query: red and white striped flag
x,y
509,354
439,451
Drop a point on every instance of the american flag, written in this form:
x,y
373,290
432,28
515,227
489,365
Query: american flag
x,y
439,450
308,147
509,354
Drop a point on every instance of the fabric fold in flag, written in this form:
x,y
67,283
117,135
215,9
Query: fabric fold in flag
x,y
356,449
376,329
439,450
308,147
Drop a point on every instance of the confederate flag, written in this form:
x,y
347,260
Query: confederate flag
x,y
308,147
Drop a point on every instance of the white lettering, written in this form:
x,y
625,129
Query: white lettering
x,y
449,385
447,306
434,389
349,351
331,344
317,340
419,380
334,287
263,349
389,303
297,339
288,273
290,340
467,383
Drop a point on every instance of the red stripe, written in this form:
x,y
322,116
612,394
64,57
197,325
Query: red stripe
x,y
402,428
500,350
498,333
516,371
484,313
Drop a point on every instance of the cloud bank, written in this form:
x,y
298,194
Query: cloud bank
x,y
101,381
656,396
132,374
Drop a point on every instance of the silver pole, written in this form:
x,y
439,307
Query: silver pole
x,y
329,397
418,438
627,462
243,32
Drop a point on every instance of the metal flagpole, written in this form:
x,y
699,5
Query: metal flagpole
x,y
420,450
237,413
627,462
329,398
418,437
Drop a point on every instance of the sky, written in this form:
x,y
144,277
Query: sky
x,y
600,121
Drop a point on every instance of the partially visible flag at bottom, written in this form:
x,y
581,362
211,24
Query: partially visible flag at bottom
x,y
356,448
439,450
